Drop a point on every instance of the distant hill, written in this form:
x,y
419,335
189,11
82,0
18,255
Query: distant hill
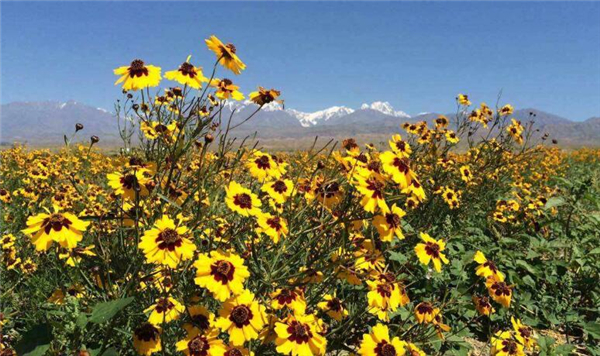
x,y
44,123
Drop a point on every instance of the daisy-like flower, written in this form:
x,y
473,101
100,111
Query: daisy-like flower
x,y
397,167
413,350
75,255
242,318
146,339
201,318
389,224
463,99
130,183
506,110
504,344
237,351
483,305
226,54
333,307
262,165
426,313
372,189
465,174
138,75
164,311
62,227
197,343
486,267
379,343
499,290
289,298
400,147
226,89
222,273
167,243
523,333
431,250
441,122
188,75
451,136
241,200
299,335
385,295
273,226
279,190
264,96
515,129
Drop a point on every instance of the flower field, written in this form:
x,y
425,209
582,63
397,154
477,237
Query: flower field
x,y
465,235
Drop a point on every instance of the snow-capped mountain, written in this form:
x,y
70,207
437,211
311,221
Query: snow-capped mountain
x,y
313,118
385,108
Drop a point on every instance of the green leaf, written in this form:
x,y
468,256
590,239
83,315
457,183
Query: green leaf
x,y
106,310
593,329
554,202
35,342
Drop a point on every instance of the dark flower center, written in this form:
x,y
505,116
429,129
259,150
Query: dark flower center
x,y
231,48
164,305
425,308
243,200
128,181
501,288
263,162
393,220
241,315
299,333
147,332
385,290
222,271
275,223
385,349
286,297
510,347
432,249
234,352
55,222
279,187
198,346
169,239
201,321
335,305
187,69
137,68
401,164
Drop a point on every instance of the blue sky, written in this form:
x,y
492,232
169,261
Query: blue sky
x,y
415,55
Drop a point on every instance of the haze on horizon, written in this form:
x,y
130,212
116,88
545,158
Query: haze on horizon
x,y
417,56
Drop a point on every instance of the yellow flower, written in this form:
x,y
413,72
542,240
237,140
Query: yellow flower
x,y
506,110
441,122
138,75
264,96
390,224
223,274
262,165
129,184
201,317
372,190
62,227
164,311
226,89
431,250
279,190
273,226
385,295
378,343
451,136
397,167
226,54
74,256
463,99
146,339
401,148
242,318
290,298
465,173
333,307
483,305
499,290
167,243
241,200
299,336
198,343
486,267
426,313
503,344
187,74
523,333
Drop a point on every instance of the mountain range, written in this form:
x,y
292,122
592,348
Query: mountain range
x,y
44,123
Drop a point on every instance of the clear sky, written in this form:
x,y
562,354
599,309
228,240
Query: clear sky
x,y
415,55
